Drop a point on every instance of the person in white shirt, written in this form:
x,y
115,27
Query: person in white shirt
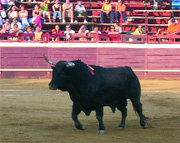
x,y
13,13
2,14
96,30
84,32
67,11
15,30
68,32
23,16
16,22
80,11
170,20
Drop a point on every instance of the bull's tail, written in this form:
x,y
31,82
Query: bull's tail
x,y
135,110
135,95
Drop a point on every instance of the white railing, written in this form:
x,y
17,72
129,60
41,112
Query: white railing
x,y
49,70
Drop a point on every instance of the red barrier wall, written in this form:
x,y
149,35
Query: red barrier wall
x,y
138,58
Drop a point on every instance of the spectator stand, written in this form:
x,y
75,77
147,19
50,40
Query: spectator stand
x,y
137,12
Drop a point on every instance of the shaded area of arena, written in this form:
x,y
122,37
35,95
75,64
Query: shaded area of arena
x,y
30,113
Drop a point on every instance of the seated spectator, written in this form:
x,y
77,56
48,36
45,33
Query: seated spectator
x,y
15,30
80,10
138,31
170,20
44,10
57,10
16,22
6,27
173,28
83,31
13,13
170,3
12,3
38,34
120,10
23,16
37,20
160,3
155,3
95,30
28,30
2,14
1,21
112,30
1,10
68,32
29,0
160,33
67,11
118,27
57,31
0,29
94,33
5,4
1,32
106,10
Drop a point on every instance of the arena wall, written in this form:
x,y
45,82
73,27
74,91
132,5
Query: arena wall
x,y
147,60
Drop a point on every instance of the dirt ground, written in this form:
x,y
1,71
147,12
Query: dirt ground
x,y
30,113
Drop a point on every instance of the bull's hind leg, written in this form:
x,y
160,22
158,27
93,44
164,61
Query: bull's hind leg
x,y
75,111
138,108
134,95
123,109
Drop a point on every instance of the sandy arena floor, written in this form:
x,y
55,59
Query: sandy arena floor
x,y
30,113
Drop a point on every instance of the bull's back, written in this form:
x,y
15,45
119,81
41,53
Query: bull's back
x,y
113,76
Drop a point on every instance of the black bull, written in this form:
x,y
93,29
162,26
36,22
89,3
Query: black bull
x,y
92,87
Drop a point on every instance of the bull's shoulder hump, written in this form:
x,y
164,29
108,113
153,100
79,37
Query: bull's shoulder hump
x,y
128,68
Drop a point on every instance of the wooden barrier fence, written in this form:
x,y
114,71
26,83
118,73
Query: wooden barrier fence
x,y
147,60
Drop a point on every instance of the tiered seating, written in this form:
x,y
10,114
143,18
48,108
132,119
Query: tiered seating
x,y
137,12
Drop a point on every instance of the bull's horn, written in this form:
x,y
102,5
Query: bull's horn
x,y
50,62
69,64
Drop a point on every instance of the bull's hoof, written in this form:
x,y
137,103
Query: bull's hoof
x,y
80,127
143,125
120,127
101,132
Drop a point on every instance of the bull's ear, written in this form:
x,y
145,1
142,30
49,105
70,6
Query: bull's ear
x,y
69,64
52,67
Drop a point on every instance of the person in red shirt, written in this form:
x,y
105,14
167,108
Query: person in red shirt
x,y
57,30
174,28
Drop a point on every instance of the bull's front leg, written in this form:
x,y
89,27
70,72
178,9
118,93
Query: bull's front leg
x,y
75,111
99,116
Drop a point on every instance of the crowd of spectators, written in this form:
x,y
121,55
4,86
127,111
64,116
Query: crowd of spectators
x,y
16,19
157,4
